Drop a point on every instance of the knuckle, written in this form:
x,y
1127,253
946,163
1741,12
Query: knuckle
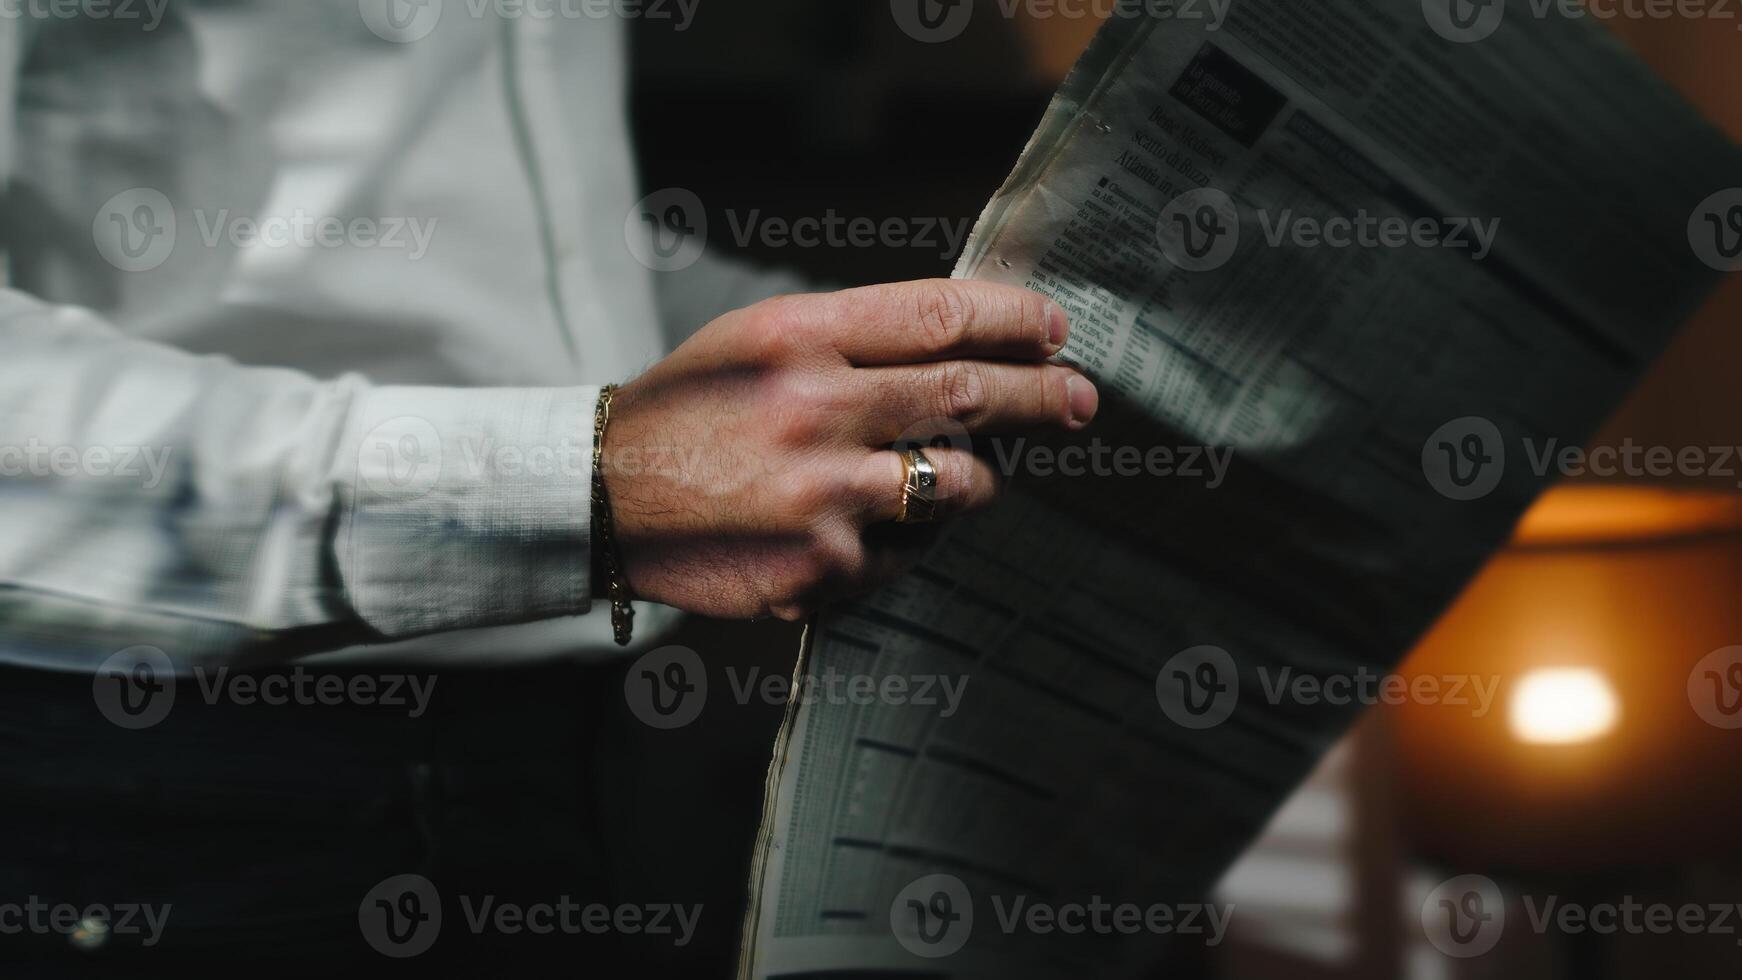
x,y
961,390
945,313
796,427
1034,311
799,404
961,486
779,327
790,612
802,498
836,555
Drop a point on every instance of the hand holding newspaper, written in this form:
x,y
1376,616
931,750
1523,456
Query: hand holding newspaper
x,y
1329,265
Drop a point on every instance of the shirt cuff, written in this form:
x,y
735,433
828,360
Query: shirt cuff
x,y
463,508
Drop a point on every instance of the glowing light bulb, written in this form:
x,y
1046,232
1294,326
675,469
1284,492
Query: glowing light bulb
x,y
1563,706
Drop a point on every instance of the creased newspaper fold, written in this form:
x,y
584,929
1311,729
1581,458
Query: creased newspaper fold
x,y
1330,264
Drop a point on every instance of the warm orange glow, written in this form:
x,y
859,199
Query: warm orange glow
x,y
1592,623
1563,706
1576,515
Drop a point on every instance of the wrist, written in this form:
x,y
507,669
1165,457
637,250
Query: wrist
x,y
607,563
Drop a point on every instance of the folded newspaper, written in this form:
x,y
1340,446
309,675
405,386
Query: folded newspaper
x,y
1330,264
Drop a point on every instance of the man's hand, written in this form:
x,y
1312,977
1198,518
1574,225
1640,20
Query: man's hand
x,y
750,472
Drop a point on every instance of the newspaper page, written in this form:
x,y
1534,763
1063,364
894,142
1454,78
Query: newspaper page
x,y
1330,264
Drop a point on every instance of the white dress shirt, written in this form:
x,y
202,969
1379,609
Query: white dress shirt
x,y
302,326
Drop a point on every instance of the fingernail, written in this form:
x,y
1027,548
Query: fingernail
x,y
1084,399
1058,327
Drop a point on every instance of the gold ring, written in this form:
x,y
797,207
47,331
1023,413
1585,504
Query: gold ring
x,y
919,489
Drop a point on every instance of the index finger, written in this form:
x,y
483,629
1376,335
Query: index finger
x,y
944,319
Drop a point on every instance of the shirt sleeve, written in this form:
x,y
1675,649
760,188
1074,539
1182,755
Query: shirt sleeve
x,y
141,480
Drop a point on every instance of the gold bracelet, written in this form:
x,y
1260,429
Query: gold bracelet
x,y
604,535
